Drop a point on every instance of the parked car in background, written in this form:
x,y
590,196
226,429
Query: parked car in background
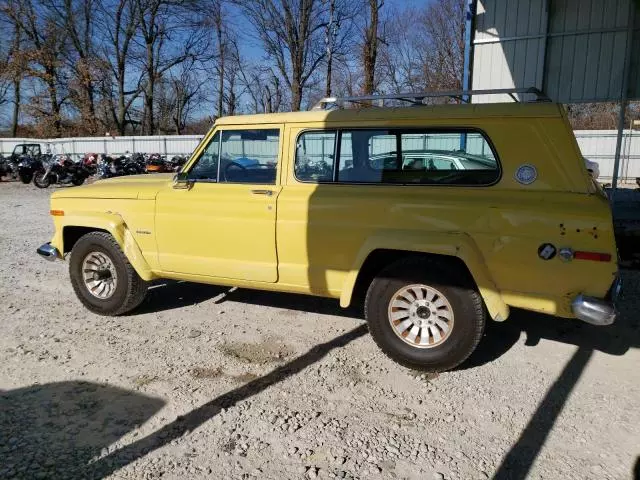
x,y
439,217
31,150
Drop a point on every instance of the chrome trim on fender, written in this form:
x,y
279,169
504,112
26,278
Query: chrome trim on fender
x,y
594,310
48,252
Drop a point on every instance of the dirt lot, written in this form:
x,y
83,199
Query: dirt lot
x,y
206,383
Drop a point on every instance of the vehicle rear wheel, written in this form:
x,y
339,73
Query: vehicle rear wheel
x,y
102,277
425,314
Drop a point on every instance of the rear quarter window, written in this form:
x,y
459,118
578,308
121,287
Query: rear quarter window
x,y
419,157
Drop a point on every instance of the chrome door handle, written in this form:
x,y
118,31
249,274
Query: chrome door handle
x,y
268,193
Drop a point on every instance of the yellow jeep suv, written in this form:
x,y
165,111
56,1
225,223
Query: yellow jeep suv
x,y
442,216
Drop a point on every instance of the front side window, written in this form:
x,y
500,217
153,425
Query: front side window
x,y
315,156
206,168
249,156
416,157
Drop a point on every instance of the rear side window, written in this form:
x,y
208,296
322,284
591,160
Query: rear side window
x,y
416,157
315,156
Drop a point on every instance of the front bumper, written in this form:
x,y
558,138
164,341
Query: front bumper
x,y
48,252
597,311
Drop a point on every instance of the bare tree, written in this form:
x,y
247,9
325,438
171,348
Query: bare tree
x,y
263,86
78,23
370,43
160,22
11,73
441,27
119,23
76,18
338,38
216,15
401,69
41,56
289,31
186,92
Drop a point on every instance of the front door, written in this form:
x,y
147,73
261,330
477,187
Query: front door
x,y
224,225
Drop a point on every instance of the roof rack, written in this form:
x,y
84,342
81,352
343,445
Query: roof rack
x,y
419,98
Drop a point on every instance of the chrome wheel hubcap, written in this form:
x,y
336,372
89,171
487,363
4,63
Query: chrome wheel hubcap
x,y
99,275
421,316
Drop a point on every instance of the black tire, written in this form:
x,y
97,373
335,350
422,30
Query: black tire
x,y
26,179
447,278
40,180
130,289
77,181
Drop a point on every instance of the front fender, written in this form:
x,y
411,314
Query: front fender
x,y
451,244
116,226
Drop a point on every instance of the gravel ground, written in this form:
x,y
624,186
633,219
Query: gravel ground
x,y
203,382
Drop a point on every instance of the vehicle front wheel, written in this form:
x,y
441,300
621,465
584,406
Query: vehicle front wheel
x,y
26,178
41,179
425,314
102,277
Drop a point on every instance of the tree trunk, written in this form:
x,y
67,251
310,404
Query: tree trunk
x,y
221,55
149,116
296,95
148,97
329,40
370,48
55,109
16,107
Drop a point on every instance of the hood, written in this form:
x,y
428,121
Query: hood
x,y
143,187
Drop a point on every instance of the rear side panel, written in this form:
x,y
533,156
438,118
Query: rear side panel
x,y
322,228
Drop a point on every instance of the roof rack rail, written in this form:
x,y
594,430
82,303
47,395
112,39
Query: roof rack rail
x,y
419,98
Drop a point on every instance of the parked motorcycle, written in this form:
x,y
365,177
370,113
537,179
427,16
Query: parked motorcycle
x,y
157,164
62,170
8,168
108,167
27,166
177,162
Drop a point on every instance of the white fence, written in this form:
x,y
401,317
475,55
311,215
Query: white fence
x,y
76,147
596,145
600,146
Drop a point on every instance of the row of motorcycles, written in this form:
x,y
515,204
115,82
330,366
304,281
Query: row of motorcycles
x,y
46,169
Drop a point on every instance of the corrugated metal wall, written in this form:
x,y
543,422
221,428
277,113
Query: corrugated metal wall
x,y
596,145
573,50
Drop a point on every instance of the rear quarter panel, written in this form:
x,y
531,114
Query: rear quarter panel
x,y
322,229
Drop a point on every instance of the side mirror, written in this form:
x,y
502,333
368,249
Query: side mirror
x,y
181,181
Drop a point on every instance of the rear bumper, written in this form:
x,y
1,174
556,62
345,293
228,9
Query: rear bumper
x,y
48,252
597,311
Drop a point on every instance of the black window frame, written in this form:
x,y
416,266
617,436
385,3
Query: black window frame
x,y
398,132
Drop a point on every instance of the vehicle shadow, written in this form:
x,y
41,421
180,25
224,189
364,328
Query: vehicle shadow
x,y
169,295
54,430
498,339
